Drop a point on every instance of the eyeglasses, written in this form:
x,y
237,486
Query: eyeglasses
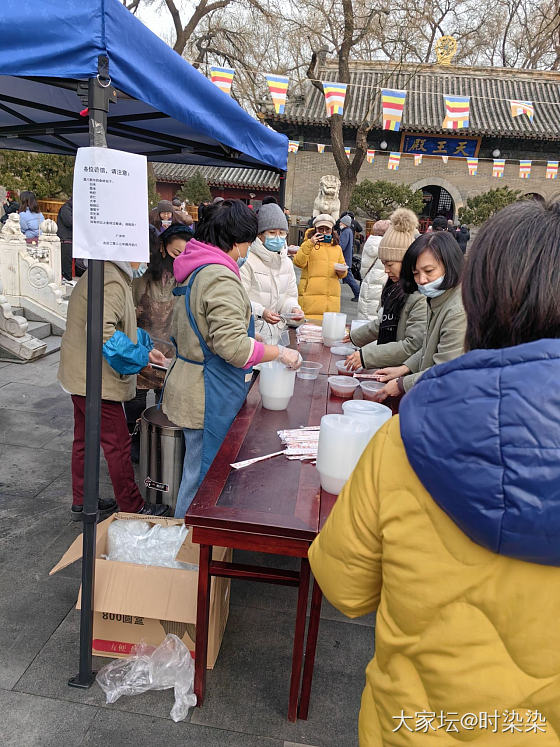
x,y
274,234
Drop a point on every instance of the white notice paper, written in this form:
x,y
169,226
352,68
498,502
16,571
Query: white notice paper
x,y
110,205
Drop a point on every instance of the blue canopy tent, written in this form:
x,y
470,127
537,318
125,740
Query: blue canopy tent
x,y
166,109
75,73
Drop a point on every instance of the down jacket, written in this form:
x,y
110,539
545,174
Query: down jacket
x,y
319,285
270,282
373,282
449,527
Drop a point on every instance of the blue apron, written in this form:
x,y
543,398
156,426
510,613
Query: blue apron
x,y
225,386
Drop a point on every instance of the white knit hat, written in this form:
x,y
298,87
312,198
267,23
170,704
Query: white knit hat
x,y
324,220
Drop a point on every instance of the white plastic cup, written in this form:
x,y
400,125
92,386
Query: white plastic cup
x,y
276,385
374,414
341,443
334,326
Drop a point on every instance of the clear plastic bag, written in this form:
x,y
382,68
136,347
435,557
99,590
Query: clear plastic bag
x,y
135,541
169,665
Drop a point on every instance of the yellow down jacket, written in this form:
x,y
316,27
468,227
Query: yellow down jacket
x,y
459,629
319,285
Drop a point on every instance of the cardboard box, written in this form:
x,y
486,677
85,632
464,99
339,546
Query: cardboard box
x,y
134,603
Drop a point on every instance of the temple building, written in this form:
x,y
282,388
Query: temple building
x,y
442,173
249,185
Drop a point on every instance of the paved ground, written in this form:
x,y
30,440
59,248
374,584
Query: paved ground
x,y
248,689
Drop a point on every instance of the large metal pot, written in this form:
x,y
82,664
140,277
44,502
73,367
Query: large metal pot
x,y
162,451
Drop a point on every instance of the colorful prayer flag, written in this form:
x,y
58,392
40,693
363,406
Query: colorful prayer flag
x,y
456,112
347,151
278,87
392,102
445,159
522,107
293,146
418,160
472,164
552,170
370,155
394,161
335,93
498,168
524,169
320,147
222,77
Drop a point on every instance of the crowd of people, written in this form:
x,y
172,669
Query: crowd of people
x,y
448,526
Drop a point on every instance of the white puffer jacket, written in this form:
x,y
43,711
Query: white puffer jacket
x,y
373,282
270,281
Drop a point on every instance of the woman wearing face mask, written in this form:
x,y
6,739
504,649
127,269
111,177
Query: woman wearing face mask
x,y
127,350
449,527
433,265
163,216
268,275
319,285
400,328
216,348
152,290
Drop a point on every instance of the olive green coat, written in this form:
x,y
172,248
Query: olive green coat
x,y
411,330
222,310
118,314
445,335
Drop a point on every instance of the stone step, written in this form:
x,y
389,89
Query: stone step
x,y
53,344
40,330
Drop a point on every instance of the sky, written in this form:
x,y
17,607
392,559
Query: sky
x,y
156,17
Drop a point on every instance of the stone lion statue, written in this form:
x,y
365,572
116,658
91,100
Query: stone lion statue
x,y
11,230
327,200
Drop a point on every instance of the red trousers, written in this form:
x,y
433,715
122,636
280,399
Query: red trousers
x,y
115,441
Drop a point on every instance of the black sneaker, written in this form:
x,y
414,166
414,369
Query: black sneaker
x,y
355,299
154,509
104,509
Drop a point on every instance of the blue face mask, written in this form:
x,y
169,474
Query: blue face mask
x,y
274,244
432,290
241,261
327,238
139,271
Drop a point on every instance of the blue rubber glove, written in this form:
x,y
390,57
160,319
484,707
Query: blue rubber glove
x,y
124,356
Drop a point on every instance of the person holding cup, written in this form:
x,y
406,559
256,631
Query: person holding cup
x,y
399,330
215,343
322,264
449,527
268,275
434,267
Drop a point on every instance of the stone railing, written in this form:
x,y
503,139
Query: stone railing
x,y
31,273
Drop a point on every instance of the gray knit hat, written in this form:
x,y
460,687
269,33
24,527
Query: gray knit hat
x,y
165,206
271,216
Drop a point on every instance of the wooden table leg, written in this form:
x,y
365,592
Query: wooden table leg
x,y
312,633
299,638
202,618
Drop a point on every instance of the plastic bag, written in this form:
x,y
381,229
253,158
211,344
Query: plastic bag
x,y
169,665
135,541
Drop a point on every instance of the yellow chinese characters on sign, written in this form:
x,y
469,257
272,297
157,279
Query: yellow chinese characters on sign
x,y
452,146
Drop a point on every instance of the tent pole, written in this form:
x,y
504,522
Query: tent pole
x,y
98,104
282,190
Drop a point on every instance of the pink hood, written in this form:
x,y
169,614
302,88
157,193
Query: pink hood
x,y
196,254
